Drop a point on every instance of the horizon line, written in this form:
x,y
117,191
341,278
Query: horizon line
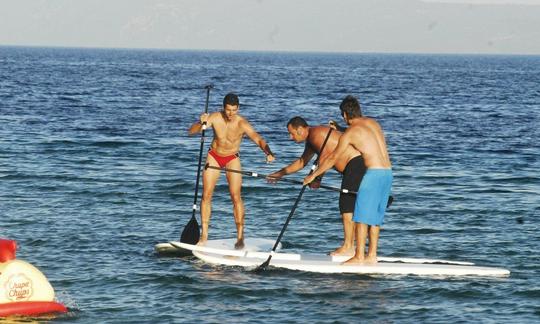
x,y
277,51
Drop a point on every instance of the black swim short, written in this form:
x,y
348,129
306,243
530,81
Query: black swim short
x,y
352,176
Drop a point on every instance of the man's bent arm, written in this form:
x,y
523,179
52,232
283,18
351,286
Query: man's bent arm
x,y
297,165
196,127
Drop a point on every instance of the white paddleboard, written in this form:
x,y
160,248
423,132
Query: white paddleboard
x,y
381,268
223,252
225,245
215,247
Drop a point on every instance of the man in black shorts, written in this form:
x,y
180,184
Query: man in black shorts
x,y
351,165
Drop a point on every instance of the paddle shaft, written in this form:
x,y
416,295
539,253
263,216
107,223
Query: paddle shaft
x,y
267,262
208,87
264,176
191,233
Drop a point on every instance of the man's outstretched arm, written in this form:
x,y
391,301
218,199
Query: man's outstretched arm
x,y
259,141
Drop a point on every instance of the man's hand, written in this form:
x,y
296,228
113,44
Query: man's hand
x,y
334,125
316,183
273,177
204,118
308,179
270,158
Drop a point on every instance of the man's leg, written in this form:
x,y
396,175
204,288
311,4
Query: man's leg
x,y
373,242
348,236
235,189
360,235
352,177
210,178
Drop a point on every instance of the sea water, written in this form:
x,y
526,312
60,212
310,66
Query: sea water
x,y
96,167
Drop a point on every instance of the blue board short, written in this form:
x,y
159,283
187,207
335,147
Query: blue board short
x,y
373,196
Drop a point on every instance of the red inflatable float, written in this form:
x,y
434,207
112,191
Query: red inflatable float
x,y
24,290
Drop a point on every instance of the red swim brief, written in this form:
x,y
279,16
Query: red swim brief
x,y
222,160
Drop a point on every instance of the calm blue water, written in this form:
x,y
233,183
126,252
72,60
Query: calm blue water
x,y
96,168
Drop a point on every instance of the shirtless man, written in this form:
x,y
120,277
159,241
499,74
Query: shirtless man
x,y
351,165
365,136
229,129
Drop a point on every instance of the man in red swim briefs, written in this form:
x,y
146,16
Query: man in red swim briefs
x,y
229,129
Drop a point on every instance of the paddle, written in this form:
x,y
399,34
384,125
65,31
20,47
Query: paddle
x,y
313,168
191,233
263,176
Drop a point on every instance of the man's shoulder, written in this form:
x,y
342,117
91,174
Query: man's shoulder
x,y
363,126
364,121
242,123
320,129
355,128
316,131
215,115
242,120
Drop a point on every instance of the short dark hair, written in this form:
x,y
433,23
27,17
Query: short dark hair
x,y
351,106
296,122
231,99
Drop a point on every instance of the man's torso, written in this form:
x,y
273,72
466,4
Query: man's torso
x,y
227,134
366,137
316,140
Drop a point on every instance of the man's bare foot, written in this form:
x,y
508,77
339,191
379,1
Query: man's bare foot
x,y
239,245
202,242
370,260
343,251
354,261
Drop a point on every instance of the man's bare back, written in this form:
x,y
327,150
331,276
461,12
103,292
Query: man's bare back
x,y
316,137
366,136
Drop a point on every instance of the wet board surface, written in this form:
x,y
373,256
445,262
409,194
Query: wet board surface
x,y
320,265
223,253
224,249
225,245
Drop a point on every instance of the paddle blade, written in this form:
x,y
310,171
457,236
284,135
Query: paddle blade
x,y
390,201
191,234
263,266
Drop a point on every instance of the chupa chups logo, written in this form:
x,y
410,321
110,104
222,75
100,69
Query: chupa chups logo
x,y
18,287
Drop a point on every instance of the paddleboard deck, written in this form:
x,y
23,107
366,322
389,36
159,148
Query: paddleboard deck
x,y
220,249
225,245
211,253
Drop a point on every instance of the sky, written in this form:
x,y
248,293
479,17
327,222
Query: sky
x,y
364,26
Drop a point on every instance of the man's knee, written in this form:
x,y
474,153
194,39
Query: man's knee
x,y
236,198
207,196
239,222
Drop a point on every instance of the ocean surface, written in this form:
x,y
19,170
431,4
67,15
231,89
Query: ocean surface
x,y
96,167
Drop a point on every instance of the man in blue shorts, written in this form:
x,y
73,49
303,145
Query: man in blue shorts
x,y
364,135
